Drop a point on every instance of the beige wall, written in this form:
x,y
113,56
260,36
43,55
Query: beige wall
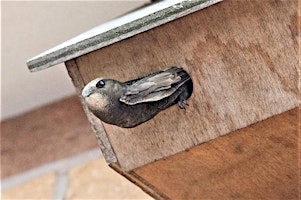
x,y
29,28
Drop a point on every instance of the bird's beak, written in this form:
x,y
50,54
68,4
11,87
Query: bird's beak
x,y
86,92
88,89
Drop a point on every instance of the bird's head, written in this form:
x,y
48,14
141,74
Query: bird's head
x,y
100,93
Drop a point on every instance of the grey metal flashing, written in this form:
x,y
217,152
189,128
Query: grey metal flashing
x,y
117,30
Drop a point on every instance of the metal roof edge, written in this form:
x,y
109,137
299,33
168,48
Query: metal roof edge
x,y
117,30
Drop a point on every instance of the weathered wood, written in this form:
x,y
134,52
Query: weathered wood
x,y
242,56
256,162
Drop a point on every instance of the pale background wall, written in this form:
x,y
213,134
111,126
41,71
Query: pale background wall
x,y
31,27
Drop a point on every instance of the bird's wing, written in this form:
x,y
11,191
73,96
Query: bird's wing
x,y
155,87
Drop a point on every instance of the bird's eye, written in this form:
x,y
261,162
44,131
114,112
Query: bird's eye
x,y
100,84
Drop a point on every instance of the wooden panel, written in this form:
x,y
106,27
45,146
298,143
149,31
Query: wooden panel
x,y
256,162
242,56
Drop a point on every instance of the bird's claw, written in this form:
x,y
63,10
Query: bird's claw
x,y
182,104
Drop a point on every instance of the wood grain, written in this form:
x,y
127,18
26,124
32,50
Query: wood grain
x,y
242,56
256,162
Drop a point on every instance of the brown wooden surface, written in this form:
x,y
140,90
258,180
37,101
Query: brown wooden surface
x,y
256,162
242,56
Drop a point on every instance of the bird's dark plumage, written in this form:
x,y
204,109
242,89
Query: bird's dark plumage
x,y
133,102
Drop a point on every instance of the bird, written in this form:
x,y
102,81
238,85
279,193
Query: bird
x,y
131,103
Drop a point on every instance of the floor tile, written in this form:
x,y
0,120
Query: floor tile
x,y
39,188
96,180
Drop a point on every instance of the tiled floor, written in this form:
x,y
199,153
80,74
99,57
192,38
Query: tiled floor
x,y
38,188
97,178
51,153
53,132
91,180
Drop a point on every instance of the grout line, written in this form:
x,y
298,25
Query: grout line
x,y
61,185
60,165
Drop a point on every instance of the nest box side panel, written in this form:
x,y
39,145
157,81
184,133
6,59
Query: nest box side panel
x,y
97,127
243,59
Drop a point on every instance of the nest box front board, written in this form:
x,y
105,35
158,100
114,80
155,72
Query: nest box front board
x,y
243,65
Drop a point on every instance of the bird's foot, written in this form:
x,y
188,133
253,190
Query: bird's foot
x,y
182,104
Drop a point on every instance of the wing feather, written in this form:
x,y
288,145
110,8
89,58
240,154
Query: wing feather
x,y
155,87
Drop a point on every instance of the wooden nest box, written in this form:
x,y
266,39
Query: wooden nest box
x,y
243,60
